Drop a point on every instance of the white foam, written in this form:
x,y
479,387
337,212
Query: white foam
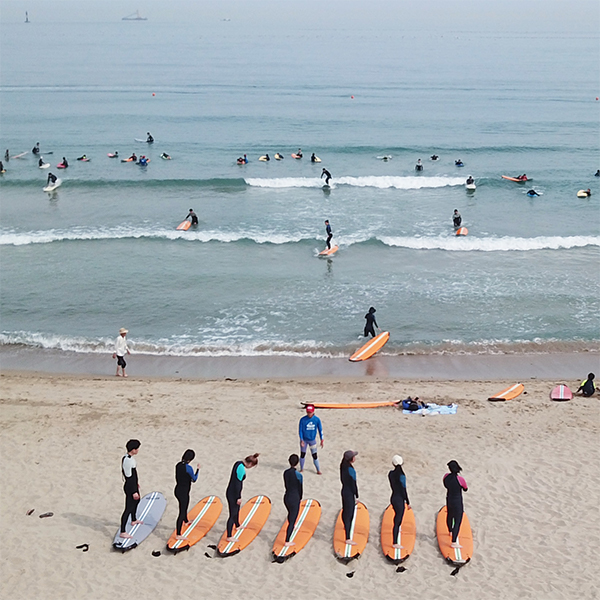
x,y
375,181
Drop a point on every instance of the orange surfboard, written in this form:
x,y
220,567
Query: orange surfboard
x,y
456,556
359,534
406,536
202,517
184,225
351,405
306,523
462,231
371,347
329,251
253,515
509,393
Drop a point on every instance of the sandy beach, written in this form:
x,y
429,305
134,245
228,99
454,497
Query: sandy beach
x,y
531,466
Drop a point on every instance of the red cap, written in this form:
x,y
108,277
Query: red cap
x,y
310,408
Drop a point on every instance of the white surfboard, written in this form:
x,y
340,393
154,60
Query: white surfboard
x,y
44,166
53,186
149,511
471,187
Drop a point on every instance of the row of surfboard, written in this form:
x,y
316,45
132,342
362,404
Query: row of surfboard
x,y
255,512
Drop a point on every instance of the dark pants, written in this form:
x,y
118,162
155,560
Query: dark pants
x,y
369,330
130,509
398,504
329,240
348,508
183,497
234,515
121,362
293,508
454,518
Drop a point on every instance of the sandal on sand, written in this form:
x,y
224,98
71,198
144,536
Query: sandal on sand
x,y
84,547
30,512
48,514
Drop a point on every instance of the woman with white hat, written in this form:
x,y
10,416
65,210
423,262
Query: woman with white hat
x,y
399,496
120,350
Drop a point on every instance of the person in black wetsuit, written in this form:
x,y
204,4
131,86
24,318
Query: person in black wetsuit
x,y
51,179
587,387
234,491
399,498
149,139
293,494
349,492
596,174
36,148
325,173
532,193
456,218
419,165
7,155
184,477
1,167
64,162
455,485
41,161
470,180
329,234
193,216
371,323
131,487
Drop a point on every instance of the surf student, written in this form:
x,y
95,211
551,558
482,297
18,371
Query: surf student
x,y
51,179
293,494
308,427
83,157
41,161
419,165
133,158
165,156
7,155
267,157
36,148
587,387
325,173
120,348
434,157
455,485
299,153
349,492
131,487
470,180
149,139
532,193
329,234
371,322
234,491
458,163
588,192
313,157
522,177
193,217
456,218
184,477
2,169
596,174
64,163
143,161
399,497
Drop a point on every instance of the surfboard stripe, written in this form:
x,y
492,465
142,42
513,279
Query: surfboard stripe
x,y
244,524
195,521
140,517
371,347
297,526
509,393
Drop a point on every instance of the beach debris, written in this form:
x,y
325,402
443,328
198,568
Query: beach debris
x,y
156,552
83,547
351,574
400,569
207,555
212,546
30,512
45,515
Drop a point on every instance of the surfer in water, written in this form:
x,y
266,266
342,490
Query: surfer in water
x,y
596,174
2,169
299,153
41,161
51,179
349,492
184,477
455,485
149,139
434,157
234,491
132,158
399,498
7,155
193,217
532,193
293,494
419,165
313,157
64,163
165,156
329,234
371,323
308,427
456,218
470,180
325,173
459,163
36,148
131,487
587,387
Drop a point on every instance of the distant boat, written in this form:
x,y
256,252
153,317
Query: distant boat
x,y
134,17
27,17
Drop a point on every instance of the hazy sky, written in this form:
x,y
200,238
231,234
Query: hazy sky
x,y
535,16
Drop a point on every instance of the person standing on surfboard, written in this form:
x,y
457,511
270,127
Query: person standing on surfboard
x,y
349,492
234,492
329,234
131,487
120,346
371,323
456,218
455,485
184,477
293,495
308,427
193,217
399,498
325,173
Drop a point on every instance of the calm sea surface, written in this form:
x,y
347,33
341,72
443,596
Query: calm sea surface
x,y
103,252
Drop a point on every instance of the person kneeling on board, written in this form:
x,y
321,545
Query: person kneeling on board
x,y
293,495
371,323
470,180
234,492
51,179
193,217
184,477
456,218
587,387
455,485
329,234
41,161
349,492
308,428
399,499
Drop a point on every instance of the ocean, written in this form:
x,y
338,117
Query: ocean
x,y
103,251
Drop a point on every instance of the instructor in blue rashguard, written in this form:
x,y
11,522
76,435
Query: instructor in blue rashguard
x,y
307,429
293,495
234,491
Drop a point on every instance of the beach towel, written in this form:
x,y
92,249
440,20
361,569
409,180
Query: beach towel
x,y
433,409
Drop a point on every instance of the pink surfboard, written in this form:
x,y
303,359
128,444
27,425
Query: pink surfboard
x,y
561,393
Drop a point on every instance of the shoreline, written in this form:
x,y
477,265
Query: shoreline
x,y
552,366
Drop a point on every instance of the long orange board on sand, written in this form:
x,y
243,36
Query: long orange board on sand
x,y
456,556
406,537
306,523
371,347
359,534
253,515
184,225
509,393
352,405
202,517
329,251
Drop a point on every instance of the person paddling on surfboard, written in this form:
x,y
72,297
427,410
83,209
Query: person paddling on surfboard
x,y
532,193
193,217
51,179
184,477
131,487
371,323
349,492
455,485
308,427
234,492
293,495
456,218
133,157
399,498
329,234
325,173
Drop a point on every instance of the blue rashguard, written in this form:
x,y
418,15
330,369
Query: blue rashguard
x,y
308,429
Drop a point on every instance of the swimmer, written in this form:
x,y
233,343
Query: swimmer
x,y
234,492
299,153
459,163
165,156
434,157
532,193
308,428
